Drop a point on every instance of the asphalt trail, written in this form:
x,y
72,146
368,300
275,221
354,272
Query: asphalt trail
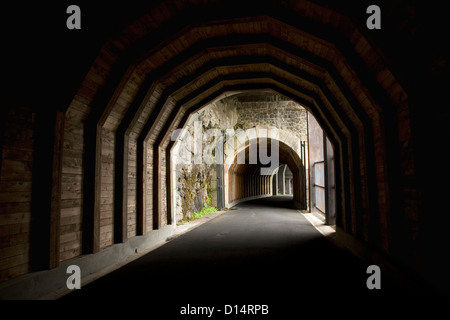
x,y
258,253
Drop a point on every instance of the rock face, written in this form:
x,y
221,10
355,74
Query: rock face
x,y
194,189
282,114
194,154
194,158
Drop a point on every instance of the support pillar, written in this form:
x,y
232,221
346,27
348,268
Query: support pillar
x,y
275,184
281,179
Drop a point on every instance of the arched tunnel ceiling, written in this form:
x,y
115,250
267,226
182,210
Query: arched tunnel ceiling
x,y
408,37
172,60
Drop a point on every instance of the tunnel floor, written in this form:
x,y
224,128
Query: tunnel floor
x,y
262,252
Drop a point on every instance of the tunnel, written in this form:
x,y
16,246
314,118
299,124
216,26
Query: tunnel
x,y
86,170
247,180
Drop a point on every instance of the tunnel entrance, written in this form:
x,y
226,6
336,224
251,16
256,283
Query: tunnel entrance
x,y
251,145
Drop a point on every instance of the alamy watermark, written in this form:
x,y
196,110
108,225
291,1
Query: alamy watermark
x,y
73,21
374,280
74,280
210,146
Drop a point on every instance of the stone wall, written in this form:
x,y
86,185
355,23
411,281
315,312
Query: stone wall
x,y
194,158
282,114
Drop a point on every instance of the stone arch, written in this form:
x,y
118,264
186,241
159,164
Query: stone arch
x,y
192,147
247,180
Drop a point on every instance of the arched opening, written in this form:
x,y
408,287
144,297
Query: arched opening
x,y
246,146
250,177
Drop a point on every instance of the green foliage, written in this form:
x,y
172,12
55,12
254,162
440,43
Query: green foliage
x,y
204,212
187,190
195,215
209,191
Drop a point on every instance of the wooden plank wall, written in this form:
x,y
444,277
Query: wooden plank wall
x,y
16,192
72,181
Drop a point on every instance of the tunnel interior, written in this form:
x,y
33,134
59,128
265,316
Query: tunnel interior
x,y
249,178
251,145
90,170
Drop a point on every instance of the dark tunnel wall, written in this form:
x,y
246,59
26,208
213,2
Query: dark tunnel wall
x,y
88,119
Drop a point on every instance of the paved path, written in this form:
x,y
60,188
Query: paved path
x,y
260,252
